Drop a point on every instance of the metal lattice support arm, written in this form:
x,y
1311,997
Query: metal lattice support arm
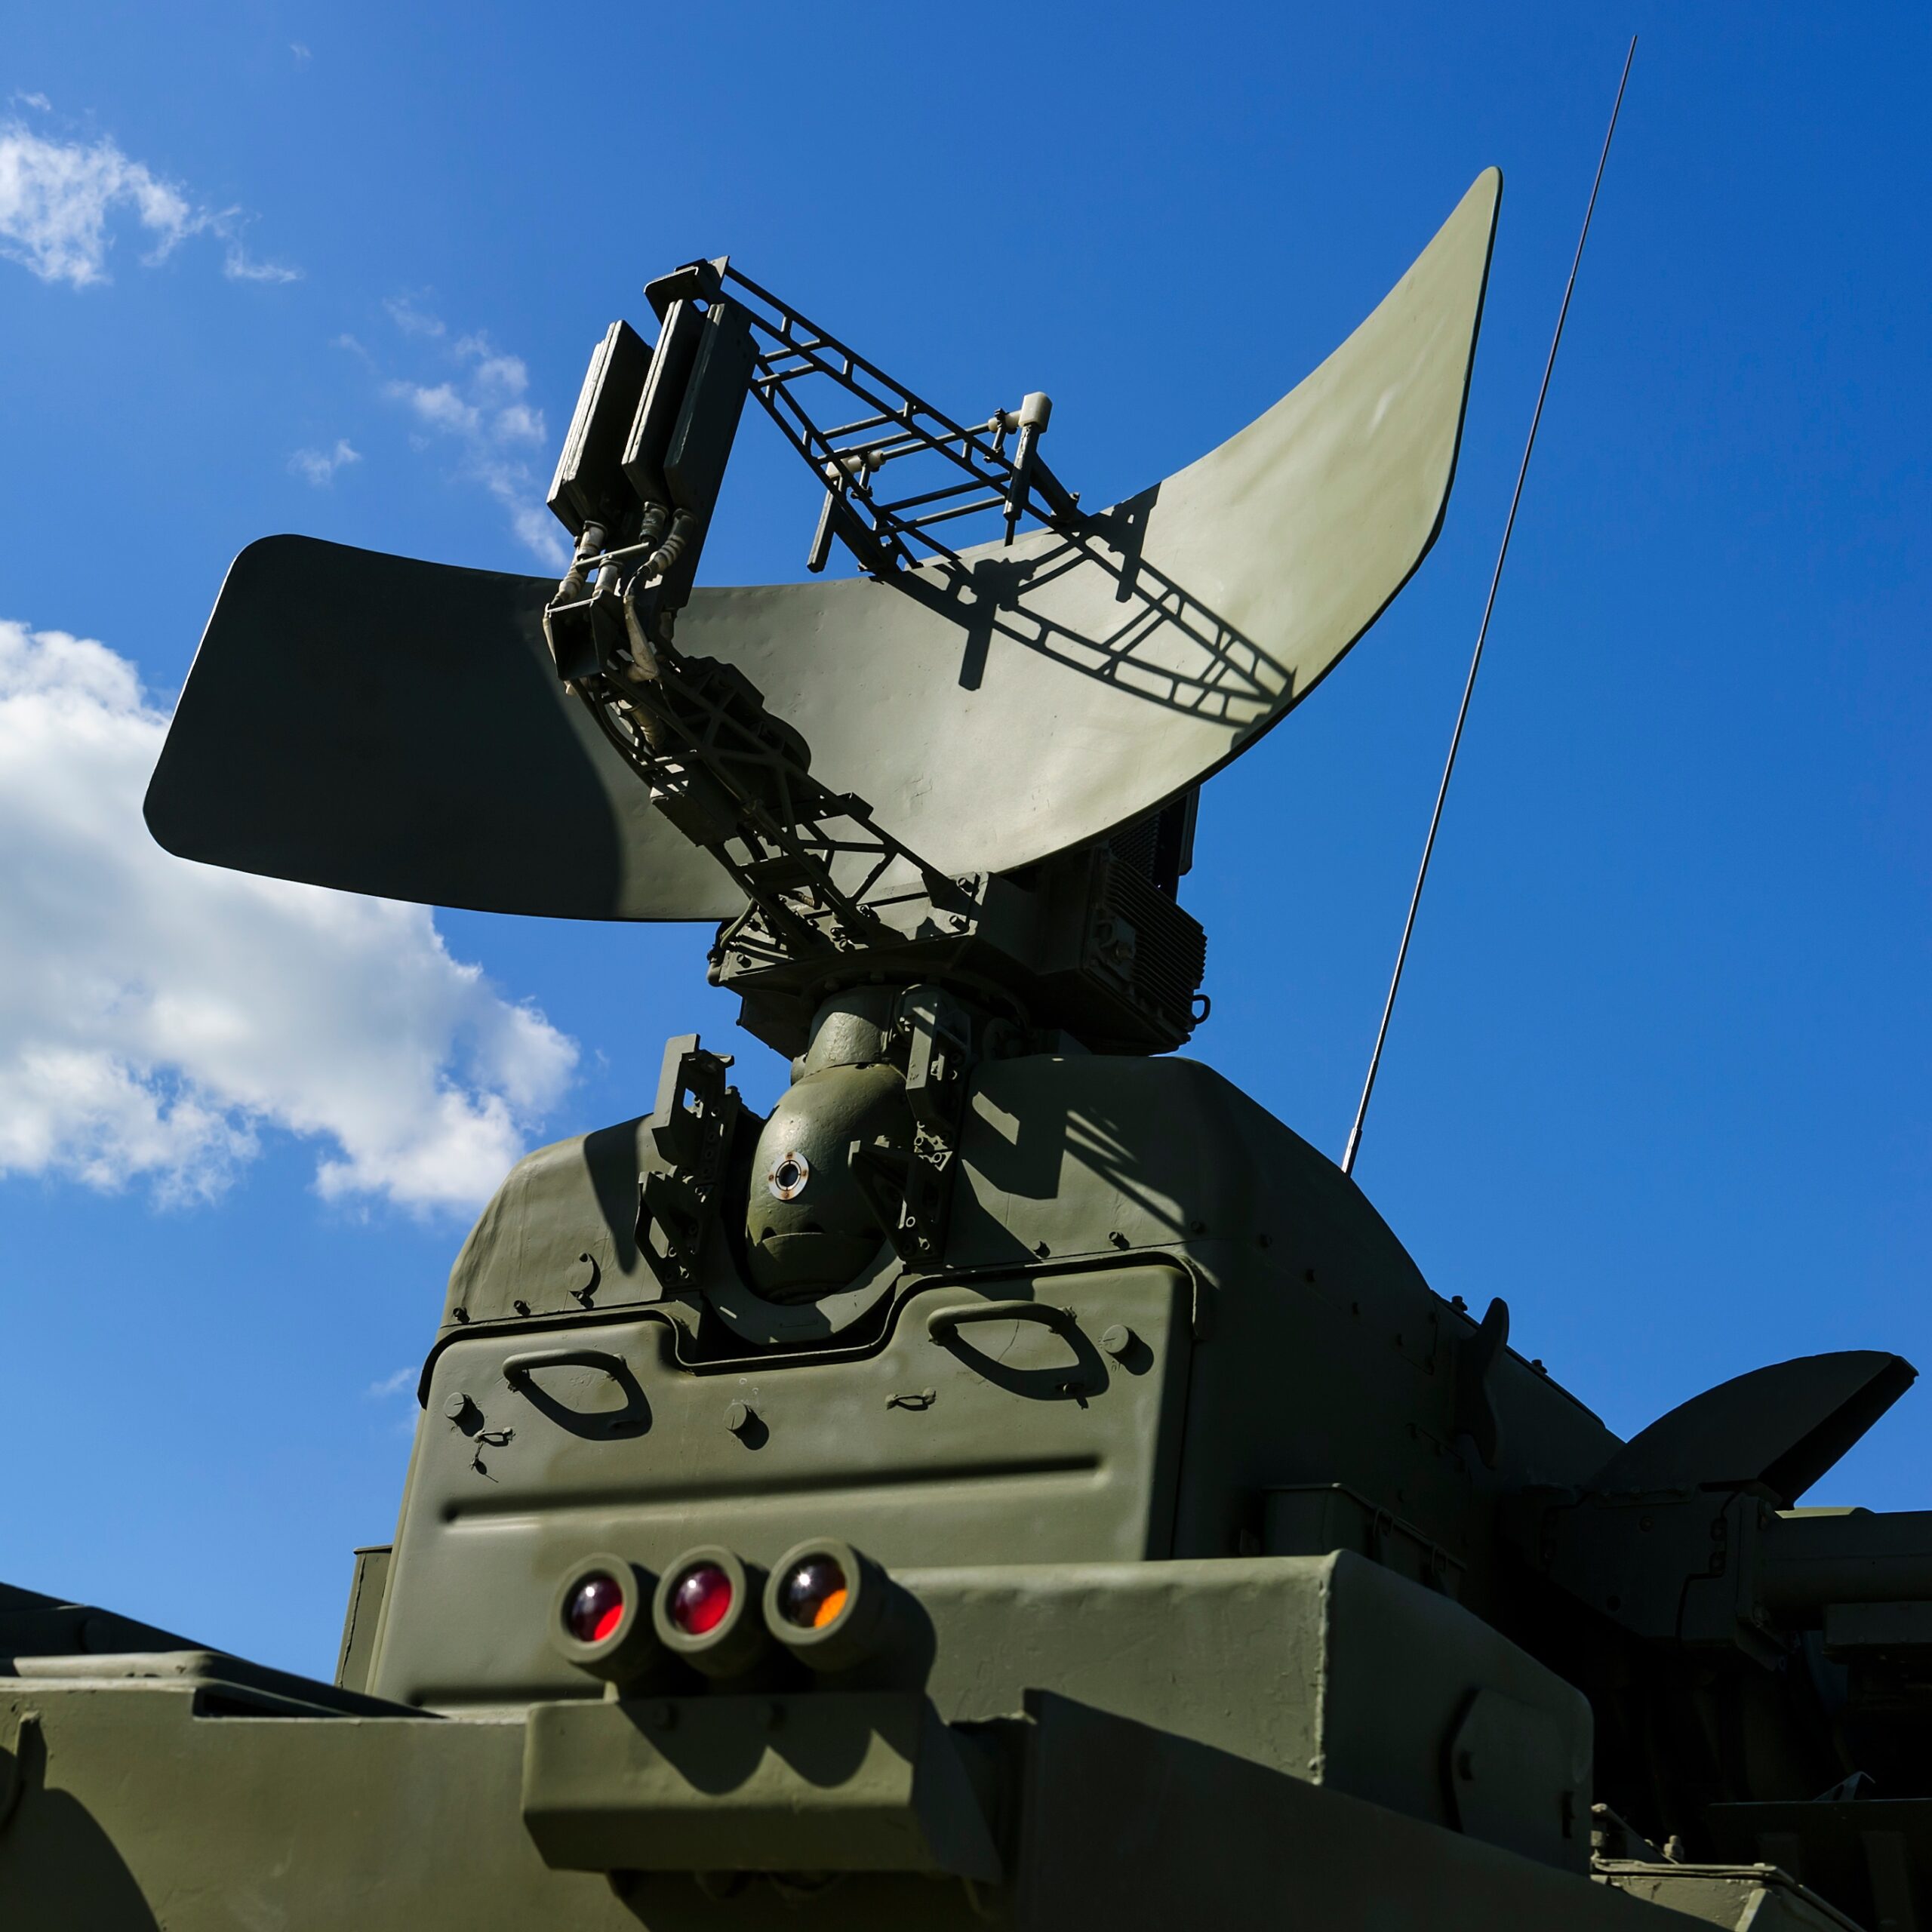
x,y
814,865
807,859
886,532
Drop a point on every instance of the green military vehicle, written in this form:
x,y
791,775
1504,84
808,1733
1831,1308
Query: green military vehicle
x,y
1018,1481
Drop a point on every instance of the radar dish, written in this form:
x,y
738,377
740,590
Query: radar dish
x,y
387,726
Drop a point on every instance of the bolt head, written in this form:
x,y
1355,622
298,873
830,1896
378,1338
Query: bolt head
x,y
456,1407
1118,1339
738,1417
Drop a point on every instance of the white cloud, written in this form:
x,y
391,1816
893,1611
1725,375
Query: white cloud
x,y
411,319
239,266
479,405
520,424
158,1019
402,1382
58,199
496,376
303,55
319,466
39,101
439,407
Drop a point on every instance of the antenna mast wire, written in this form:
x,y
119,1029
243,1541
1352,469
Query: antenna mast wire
x,y
1482,633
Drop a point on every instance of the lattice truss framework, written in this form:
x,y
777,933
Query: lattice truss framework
x,y
814,865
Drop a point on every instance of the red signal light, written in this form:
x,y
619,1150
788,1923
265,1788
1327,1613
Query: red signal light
x,y
595,1609
701,1599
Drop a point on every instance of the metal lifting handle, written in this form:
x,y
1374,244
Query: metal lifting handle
x,y
519,1367
944,1323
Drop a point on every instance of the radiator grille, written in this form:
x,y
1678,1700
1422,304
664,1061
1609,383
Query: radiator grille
x,y
1169,954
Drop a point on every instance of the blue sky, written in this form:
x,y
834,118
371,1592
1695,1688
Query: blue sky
x,y
1659,1075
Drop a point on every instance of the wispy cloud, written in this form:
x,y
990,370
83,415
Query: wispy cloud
x,y
440,408
319,466
403,1382
478,403
56,199
411,320
239,266
157,1019
60,200
303,55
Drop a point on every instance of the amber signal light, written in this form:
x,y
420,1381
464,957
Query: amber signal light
x,y
831,1606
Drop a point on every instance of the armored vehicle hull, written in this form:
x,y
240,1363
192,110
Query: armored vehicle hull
x,y
1199,1591
1017,1481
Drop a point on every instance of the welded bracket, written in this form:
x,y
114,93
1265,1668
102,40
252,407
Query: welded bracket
x,y
938,1063
691,1130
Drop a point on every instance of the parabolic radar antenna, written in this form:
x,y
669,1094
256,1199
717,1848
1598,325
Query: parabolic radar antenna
x,y
914,770
1017,1482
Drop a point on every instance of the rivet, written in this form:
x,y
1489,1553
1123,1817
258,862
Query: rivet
x,y
521,1307
1042,1250
456,1407
461,1314
1119,1339
738,1417
1118,1239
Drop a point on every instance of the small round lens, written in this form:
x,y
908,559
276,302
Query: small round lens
x,y
595,1609
785,1179
813,1592
702,1598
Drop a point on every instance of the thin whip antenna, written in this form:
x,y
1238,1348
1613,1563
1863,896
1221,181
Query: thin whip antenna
x,y
1482,633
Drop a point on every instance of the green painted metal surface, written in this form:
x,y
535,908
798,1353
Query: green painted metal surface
x,y
1018,1481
